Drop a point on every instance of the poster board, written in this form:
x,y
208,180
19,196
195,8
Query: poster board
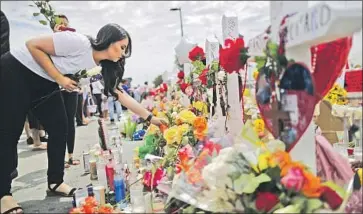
x,y
328,123
353,83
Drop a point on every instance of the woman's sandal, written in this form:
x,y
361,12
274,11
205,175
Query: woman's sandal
x,y
66,165
74,162
13,209
53,191
16,208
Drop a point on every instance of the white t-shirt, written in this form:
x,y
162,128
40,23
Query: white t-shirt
x,y
73,53
97,87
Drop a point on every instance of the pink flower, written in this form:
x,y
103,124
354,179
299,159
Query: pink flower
x,y
294,179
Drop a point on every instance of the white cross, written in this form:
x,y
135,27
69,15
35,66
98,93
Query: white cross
x,y
230,31
312,26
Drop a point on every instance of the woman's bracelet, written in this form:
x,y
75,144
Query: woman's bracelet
x,y
149,118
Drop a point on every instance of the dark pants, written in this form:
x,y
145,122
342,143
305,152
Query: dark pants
x,y
23,90
98,103
33,121
79,111
70,104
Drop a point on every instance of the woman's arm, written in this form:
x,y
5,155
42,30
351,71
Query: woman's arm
x,y
137,108
40,48
132,104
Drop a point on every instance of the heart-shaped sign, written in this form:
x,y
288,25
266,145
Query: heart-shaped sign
x,y
330,59
288,119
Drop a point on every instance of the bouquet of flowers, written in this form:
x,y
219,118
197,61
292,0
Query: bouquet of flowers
x,y
90,205
274,184
337,95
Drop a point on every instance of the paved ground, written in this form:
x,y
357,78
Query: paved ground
x,y
29,188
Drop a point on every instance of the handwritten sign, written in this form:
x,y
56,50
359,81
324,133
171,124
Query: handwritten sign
x,y
229,26
212,50
317,25
354,81
257,45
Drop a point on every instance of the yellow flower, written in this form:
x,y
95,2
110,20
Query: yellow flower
x,y
155,111
200,106
255,74
247,92
259,126
184,128
152,129
172,135
265,161
161,115
187,116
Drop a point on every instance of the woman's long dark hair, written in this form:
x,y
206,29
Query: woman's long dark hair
x,y
112,72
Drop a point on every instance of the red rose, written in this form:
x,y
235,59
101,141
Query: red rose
x,y
203,76
196,53
331,198
265,201
184,86
181,75
229,57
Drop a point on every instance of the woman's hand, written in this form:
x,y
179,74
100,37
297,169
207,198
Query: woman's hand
x,y
66,83
158,121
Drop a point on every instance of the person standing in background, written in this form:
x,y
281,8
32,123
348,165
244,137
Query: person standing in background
x,y
82,98
97,88
126,89
137,95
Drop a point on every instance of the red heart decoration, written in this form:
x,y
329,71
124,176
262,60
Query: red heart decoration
x,y
297,103
330,58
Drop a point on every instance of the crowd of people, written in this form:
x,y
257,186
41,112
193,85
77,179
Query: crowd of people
x,y
42,97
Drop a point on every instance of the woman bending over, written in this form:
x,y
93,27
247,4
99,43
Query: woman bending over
x,y
30,77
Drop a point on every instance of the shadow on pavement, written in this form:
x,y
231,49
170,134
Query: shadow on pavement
x,y
31,180
30,152
47,205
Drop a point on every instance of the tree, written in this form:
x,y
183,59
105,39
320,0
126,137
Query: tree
x,y
48,12
158,80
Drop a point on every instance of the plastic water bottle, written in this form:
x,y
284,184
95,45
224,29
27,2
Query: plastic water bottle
x,y
119,185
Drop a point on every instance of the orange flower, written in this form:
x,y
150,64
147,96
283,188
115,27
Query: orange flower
x,y
194,175
163,127
287,167
282,158
200,127
312,186
200,124
178,121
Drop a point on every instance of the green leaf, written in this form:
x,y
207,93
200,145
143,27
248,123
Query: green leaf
x,y
43,22
313,204
260,61
255,183
57,20
36,14
273,47
240,183
274,173
262,178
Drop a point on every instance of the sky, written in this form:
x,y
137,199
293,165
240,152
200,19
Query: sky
x,y
154,29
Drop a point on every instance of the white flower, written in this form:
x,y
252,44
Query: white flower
x,y
216,173
221,75
94,71
174,114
